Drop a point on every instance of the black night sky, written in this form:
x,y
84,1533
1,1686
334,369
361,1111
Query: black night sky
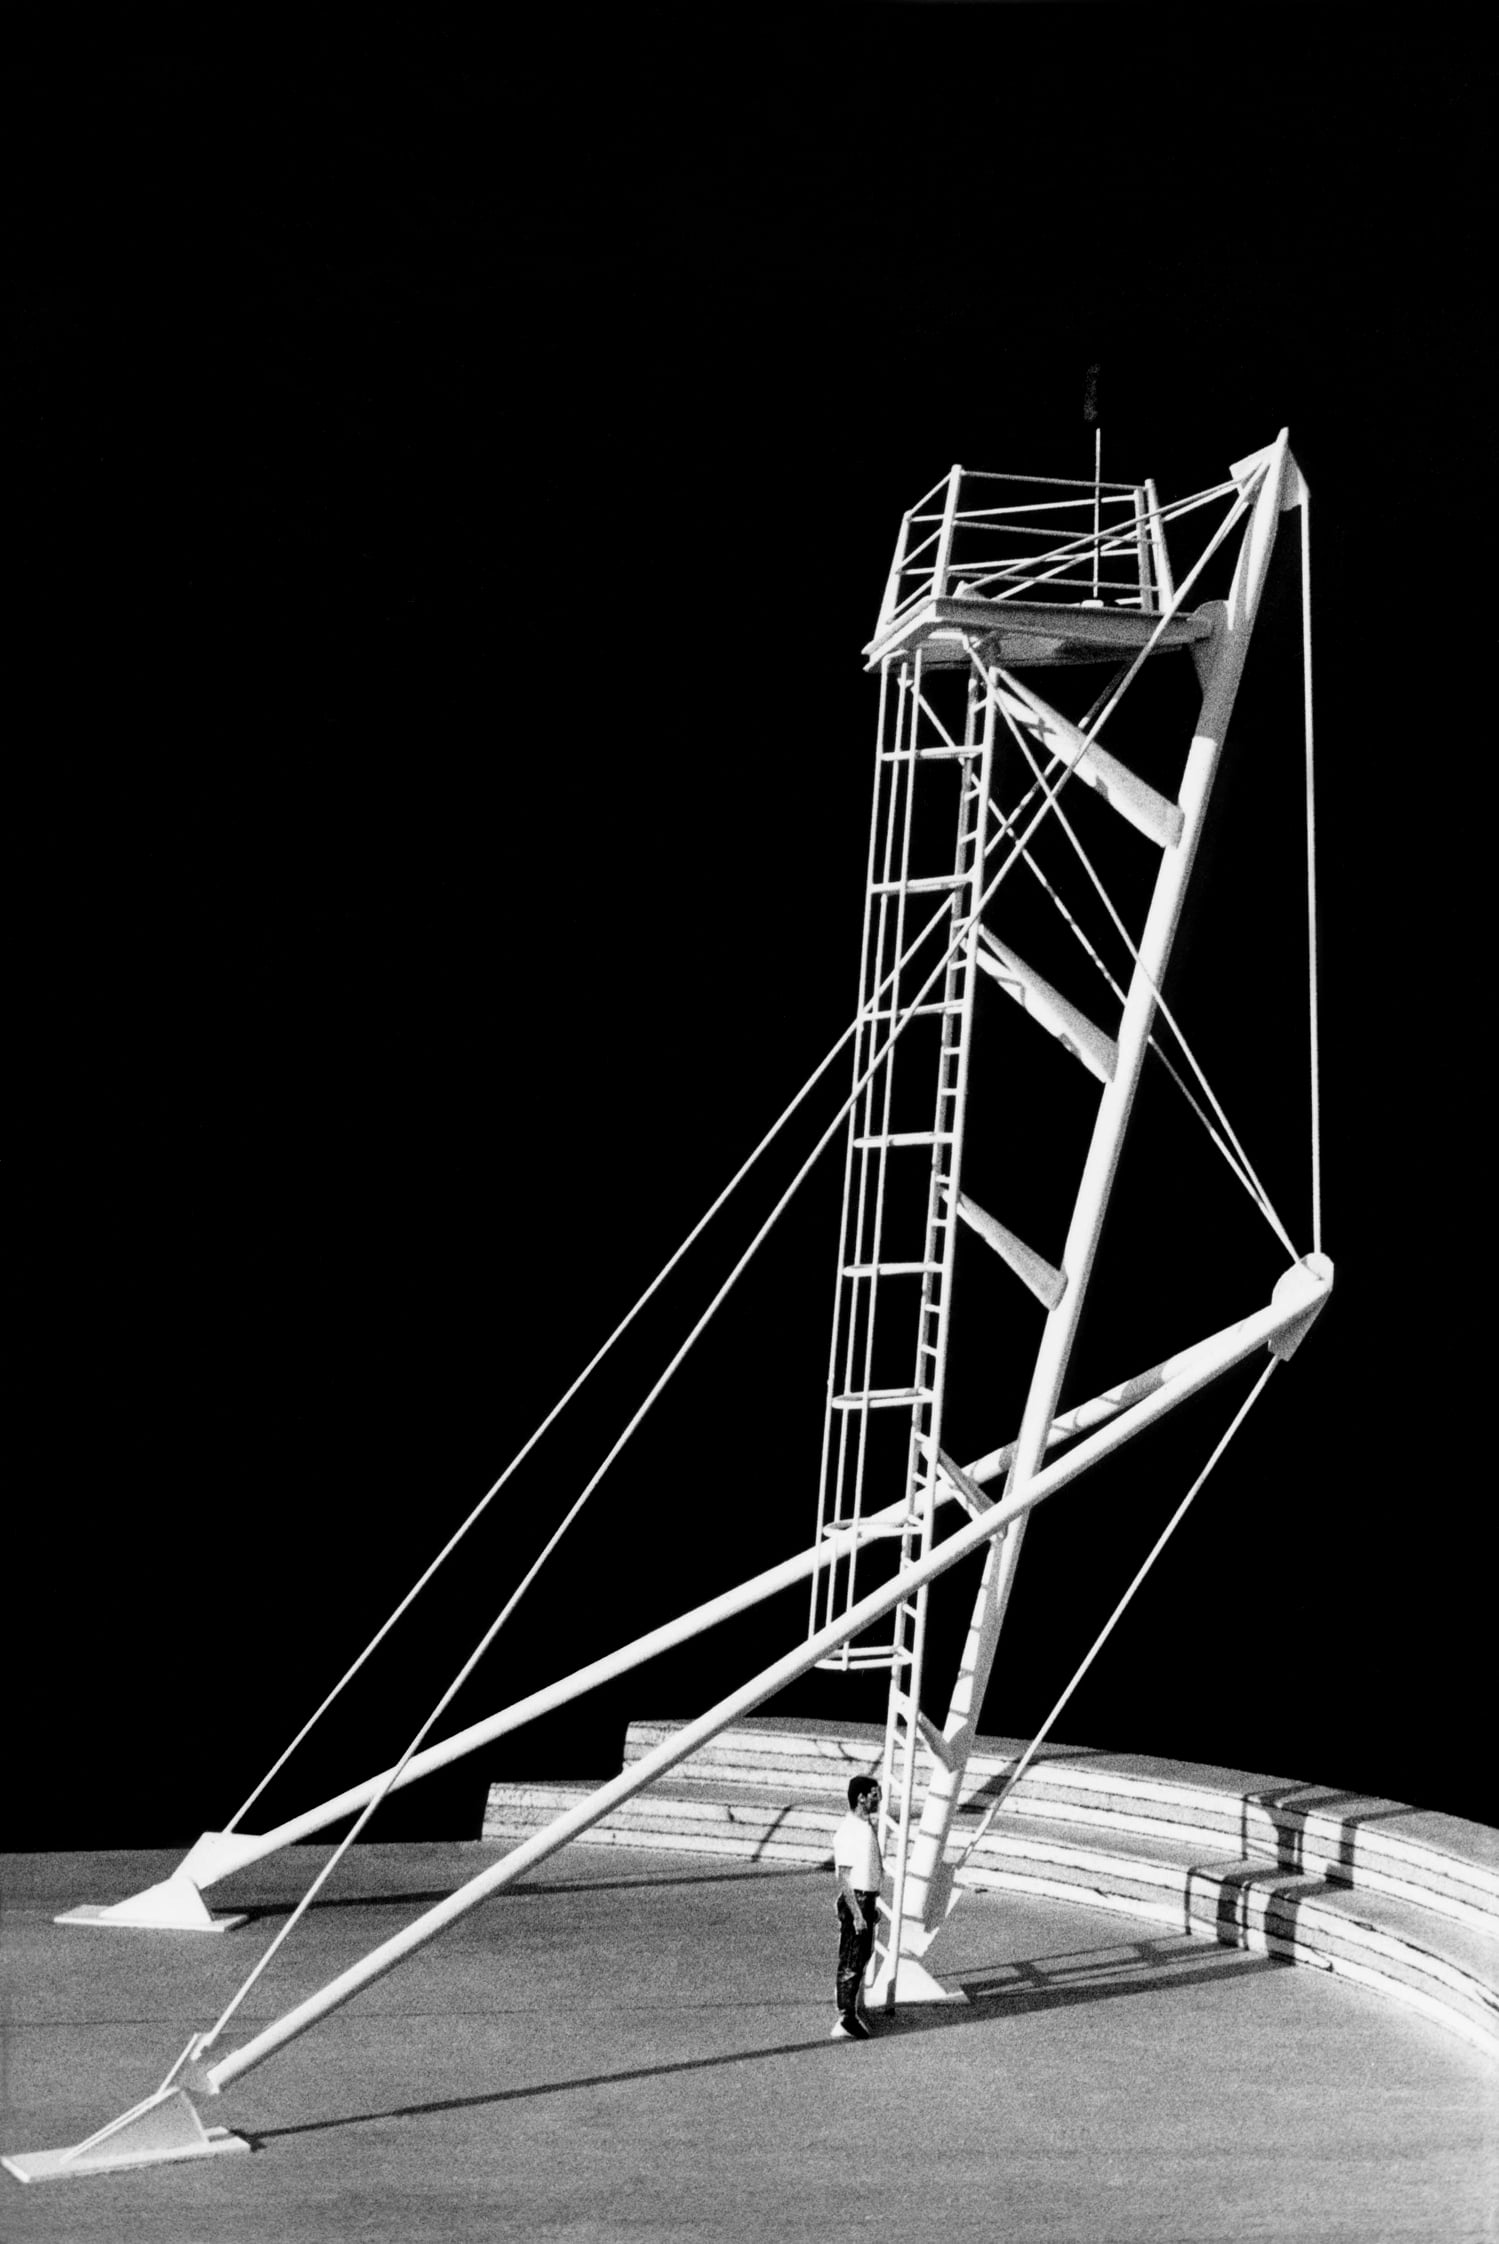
x,y
447,496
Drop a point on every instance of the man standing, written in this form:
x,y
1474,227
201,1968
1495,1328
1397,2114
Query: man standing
x,y
856,1858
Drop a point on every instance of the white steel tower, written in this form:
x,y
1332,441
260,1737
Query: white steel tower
x,y
997,578
997,581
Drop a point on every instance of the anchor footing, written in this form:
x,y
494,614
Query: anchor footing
x,y
118,1917
176,1905
166,2126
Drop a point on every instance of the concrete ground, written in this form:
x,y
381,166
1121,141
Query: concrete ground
x,y
634,2046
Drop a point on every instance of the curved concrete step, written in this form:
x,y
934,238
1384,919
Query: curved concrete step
x,y
686,1818
1448,1971
1393,1898
1440,1861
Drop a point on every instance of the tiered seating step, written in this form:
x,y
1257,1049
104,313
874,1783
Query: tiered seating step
x,y
1439,1861
1393,1897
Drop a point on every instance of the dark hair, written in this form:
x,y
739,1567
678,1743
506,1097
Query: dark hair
x,y
859,1787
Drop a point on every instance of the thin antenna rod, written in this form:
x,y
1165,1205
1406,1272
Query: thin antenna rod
x,y
1097,502
1091,420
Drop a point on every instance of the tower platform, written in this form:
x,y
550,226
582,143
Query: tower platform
x,y
1028,634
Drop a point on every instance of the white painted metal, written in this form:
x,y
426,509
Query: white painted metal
x,y
162,2128
1161,566
1279,1349
916,752
1158,820
1036,996
928,1884
1300,1295
1302,1292
1311,861
1161,822
1142,553
1048,1285
1024,547
176,1903
1306,1292
173,1905
917,625
904,1722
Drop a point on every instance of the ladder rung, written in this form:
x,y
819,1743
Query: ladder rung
x,y
929,755
881,1398
866,1655
909,1137
915,1012
927,885
888,1269
872,1529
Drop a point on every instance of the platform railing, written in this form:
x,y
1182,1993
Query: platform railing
x,y
1083,542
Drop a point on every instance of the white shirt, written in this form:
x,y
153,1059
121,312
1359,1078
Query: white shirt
x,y
856,1846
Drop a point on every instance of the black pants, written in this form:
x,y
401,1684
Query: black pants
x,y
855,1947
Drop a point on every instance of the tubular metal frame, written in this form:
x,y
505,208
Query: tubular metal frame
x,y
895,990
923,1872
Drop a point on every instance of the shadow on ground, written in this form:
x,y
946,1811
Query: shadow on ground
x,y
1002,1991
255,1911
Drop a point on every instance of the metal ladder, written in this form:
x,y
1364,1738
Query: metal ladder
x,y
875,1257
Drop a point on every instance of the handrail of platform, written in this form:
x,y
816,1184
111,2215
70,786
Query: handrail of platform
x,y
1084,549
1064,482
1140,533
